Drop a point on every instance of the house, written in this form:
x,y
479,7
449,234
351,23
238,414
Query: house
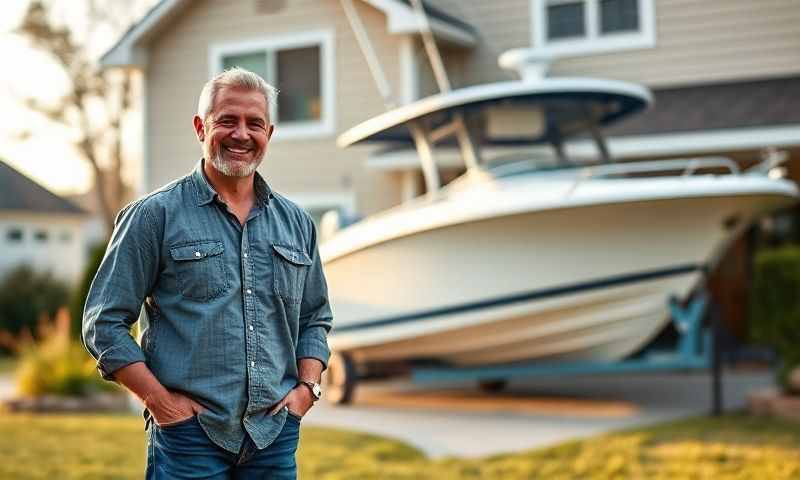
x,y
39,228
725,75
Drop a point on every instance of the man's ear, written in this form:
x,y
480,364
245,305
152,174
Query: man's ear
x,y
199,128
270,130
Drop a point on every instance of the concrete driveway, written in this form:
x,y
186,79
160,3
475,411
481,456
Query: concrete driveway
x,y
460,421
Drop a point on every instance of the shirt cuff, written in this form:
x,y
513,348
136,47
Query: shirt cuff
x,y
314,345
117,357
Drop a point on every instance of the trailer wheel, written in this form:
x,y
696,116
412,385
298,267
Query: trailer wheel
x,y
339,379
492,386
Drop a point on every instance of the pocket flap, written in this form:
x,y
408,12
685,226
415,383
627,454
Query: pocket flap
x,y
196,251
298,257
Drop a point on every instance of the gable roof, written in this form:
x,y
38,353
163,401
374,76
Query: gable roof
x,y
18,192
130,50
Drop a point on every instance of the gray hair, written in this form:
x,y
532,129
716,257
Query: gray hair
x,y
238,78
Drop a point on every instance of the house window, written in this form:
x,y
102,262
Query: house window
x,y
301,67
619,16
566,20
15,235
65,237
316,204
41,236
580,27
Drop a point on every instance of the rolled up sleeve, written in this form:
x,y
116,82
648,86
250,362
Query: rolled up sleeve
x,y
126,276
316,317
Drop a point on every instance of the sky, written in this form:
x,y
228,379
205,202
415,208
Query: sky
x,y
29,142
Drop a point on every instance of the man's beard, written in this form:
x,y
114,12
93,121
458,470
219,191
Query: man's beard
x,y
231,168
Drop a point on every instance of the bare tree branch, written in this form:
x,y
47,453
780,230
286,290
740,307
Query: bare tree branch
x,y
99,144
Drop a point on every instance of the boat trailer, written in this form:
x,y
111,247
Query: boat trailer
x,y
696,348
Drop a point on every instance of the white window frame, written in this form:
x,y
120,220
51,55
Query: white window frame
x,y
593,42
324,39
346,201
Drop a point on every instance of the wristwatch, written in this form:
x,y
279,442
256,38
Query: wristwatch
x,y
316,390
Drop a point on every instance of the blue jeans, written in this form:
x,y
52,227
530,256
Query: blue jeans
x,y
184,451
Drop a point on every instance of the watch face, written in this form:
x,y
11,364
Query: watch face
x,y
316,390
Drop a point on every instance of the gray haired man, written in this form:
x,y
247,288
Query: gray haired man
x,y
234,340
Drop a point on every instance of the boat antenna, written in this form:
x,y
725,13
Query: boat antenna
x,y
375,67
469,151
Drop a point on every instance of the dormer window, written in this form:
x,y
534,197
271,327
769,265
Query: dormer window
x,y
581,27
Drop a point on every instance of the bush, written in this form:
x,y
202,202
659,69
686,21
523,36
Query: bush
x,y
79,296
26,295
775,306
57,364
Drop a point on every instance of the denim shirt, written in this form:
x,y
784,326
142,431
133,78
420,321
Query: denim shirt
x,y
230,308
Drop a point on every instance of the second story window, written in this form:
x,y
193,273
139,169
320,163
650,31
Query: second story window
x,y
301,67
15,235
581,27
41,236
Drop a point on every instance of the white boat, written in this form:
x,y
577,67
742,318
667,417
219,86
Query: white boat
x,y
513,263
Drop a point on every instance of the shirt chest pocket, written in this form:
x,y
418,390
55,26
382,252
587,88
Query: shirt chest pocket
x,y
290,266
200,269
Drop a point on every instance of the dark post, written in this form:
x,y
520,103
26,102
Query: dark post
x,y
716,359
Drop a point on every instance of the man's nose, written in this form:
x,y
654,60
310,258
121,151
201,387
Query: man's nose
x,y
240,132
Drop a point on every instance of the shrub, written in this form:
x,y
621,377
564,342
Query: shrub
x,y
57,364
775,306
82,290
26,295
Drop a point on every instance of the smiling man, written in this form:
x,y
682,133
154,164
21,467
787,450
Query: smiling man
x,y
234,341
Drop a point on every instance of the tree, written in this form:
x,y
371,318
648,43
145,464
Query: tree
x,y
96,102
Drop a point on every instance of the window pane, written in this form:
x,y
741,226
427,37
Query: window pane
x,y
565,20
300,85
317,213
255,62
41,236
619,16
14,235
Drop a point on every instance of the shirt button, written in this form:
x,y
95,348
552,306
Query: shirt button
x,y
196,254
245,255
251,327
249,291
252,364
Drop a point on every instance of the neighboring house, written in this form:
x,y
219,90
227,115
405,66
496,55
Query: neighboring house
x,y
39,228
725,74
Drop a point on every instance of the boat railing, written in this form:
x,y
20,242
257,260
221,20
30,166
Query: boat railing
x,y
686,167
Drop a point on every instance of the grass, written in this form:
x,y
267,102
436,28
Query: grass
x,y
7,364
731,447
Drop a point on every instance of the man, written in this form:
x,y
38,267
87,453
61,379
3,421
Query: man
x,y
234,340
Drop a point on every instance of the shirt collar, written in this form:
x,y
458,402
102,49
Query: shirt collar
x,y
206,193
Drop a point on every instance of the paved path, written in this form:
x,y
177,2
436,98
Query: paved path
x,y
460,422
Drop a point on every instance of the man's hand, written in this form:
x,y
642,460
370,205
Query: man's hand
x,y
299,401
166,407
172,407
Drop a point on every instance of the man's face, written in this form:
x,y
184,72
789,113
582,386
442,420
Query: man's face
x,y
236,132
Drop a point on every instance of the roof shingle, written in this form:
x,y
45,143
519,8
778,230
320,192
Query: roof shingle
x,y
18,192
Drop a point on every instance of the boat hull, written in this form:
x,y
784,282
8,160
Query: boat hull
x,y
588,282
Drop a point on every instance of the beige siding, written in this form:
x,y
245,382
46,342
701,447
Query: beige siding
x,y
697,41
707,41
178,68
501,25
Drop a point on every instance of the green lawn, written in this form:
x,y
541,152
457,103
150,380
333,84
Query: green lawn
x,y
732,447
7,364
